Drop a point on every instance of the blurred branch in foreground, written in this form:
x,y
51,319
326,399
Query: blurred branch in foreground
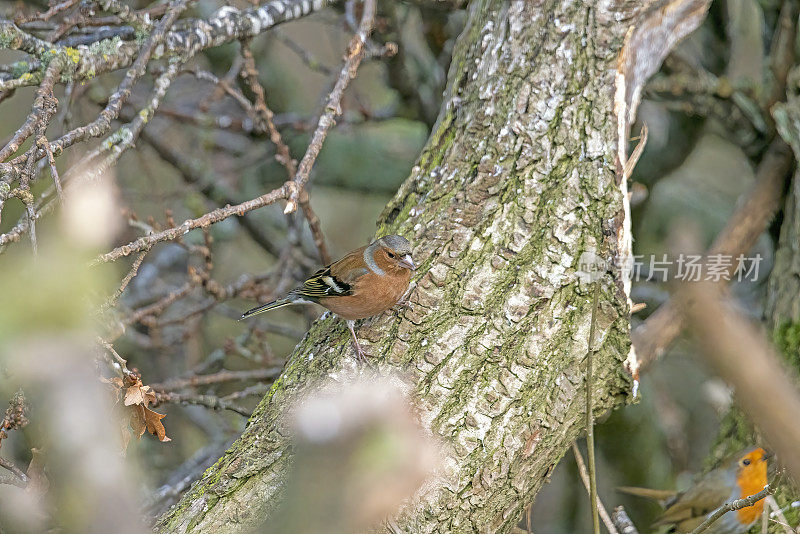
x,y
740,353
747,223
49,351
359,454
759,206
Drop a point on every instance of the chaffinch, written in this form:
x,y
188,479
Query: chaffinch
x,y
365,282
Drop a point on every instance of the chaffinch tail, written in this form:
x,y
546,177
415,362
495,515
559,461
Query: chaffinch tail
x,y
365,282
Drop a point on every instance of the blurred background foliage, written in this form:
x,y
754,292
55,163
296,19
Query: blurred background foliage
x,y
697,162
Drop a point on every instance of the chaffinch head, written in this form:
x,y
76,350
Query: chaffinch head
x,y
365,282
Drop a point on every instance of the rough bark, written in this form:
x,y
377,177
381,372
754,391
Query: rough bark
x,y
519,178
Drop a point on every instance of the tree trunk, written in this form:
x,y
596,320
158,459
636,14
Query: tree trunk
x,y
520,177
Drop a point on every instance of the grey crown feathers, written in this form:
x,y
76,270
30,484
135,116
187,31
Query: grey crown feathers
x,y
397,243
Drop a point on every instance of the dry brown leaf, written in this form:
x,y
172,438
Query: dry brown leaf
x,y
137,418
117,381
149,395
137,393
154,424
134,395
146,419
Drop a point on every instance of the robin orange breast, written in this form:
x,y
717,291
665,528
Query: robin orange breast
x,y
741,475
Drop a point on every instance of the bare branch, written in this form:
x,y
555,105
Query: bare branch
x,y
748,222
102,124
206,220
623,522
43,143
42,103
172,384
209,401
353,56
7,464
125,281
587,484
743,357
227,24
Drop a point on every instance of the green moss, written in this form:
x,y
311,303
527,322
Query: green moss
x,y
787,340
105,47
20,68
141,34
6,38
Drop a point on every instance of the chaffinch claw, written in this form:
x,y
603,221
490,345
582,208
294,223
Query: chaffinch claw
x,y
365,282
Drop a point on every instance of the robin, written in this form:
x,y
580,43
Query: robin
x,y
741,475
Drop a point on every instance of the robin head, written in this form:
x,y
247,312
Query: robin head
x,y
390,254
751,477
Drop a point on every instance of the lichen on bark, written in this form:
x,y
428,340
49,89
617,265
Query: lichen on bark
x,y
518,179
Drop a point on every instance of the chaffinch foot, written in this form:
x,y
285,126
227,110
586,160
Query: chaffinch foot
x,y
365,282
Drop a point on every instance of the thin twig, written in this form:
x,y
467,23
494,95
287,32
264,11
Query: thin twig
x,y
41,104
43,143
54,9
730,506
209,401
172,384
125,281
8,464
224,86
587,484
316,227
209,184
159,306
589,415
266,117
206,220
333,107
263,113
32,228
102,124
772,504
114,359
251,391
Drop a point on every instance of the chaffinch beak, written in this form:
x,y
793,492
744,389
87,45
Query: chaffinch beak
x,y
407,262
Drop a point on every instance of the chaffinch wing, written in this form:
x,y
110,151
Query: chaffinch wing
x,y
365,282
